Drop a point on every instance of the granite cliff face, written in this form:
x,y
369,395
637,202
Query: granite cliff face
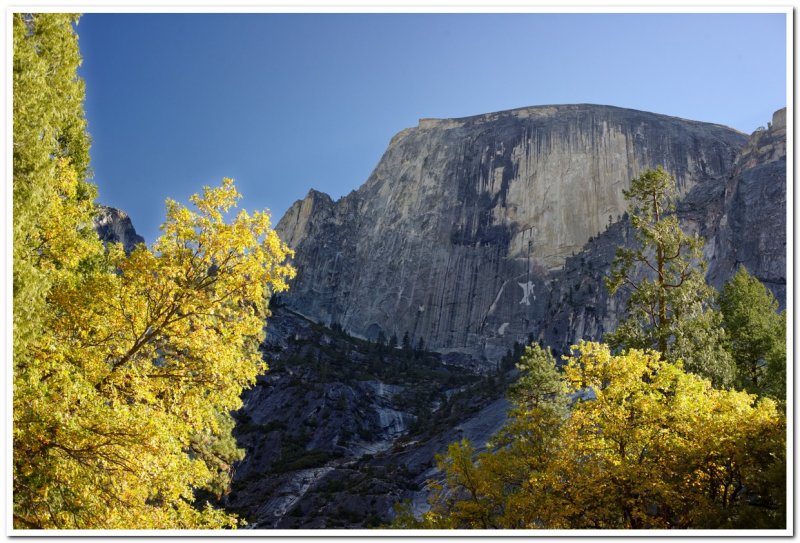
x,y
461,233
752,228
741,216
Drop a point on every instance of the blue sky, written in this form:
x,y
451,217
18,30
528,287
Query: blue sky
x,y
284,103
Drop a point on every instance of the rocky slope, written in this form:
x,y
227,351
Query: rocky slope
x,y
464,230
339,430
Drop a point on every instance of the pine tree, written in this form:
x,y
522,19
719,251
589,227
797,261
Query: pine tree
x,y
406,344
670,307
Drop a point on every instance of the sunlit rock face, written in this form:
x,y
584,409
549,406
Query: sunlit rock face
x,y
417,249
461,233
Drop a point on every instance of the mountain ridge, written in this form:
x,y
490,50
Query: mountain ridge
x,y
552,108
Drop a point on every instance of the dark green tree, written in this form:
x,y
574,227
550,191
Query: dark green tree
x,y
756,335
670,307
406,344
539,381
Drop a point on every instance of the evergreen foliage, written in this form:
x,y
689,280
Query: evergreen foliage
x,y
406,345
671,306
757,335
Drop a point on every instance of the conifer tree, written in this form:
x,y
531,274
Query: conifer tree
x,y
757,334
670,307
406,344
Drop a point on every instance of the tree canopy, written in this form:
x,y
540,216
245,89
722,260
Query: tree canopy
x,y
645,445
125,366
50,161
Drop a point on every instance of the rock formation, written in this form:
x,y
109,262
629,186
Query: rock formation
x,y
752,228
340,430
114,226
462,233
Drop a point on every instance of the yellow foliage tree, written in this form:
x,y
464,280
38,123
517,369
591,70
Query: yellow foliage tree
x,y
140,355
652,447
125,367
660,448
496,491
50,160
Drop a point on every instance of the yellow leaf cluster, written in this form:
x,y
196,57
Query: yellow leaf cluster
x,y
141,353
644,445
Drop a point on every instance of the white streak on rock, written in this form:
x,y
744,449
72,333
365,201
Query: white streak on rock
x,y
527,290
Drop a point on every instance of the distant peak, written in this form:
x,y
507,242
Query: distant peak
x,y
779,119
115,226
104,212
314,194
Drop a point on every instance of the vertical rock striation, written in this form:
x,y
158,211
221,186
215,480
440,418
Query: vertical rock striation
x,y
741,215
461,231
752,229
340,430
